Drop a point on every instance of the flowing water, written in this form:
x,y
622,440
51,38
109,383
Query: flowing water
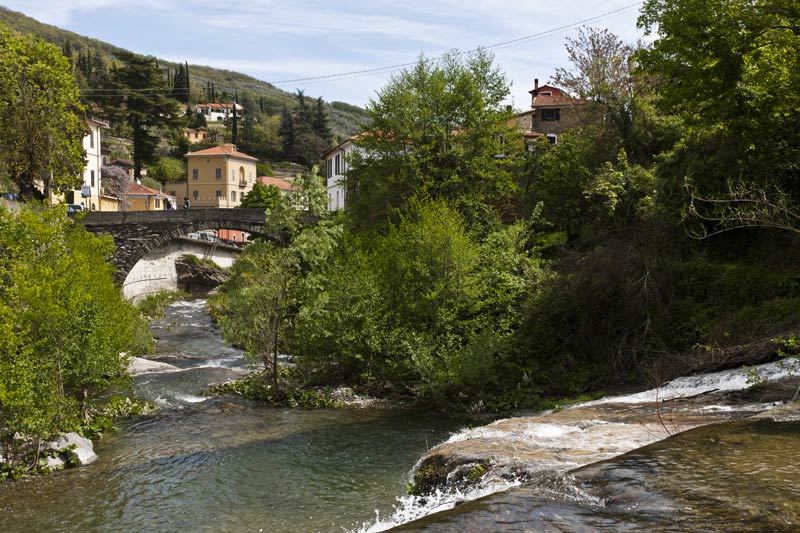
x,y
678,458
218,464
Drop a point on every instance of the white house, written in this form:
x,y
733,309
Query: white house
x,y
218,112
90,193
336,162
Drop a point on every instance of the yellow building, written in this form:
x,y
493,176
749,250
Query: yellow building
x,y
219,176
141,198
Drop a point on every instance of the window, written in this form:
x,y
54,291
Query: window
x,y
91,140
194,173
546,93
174,193
552,137
92,175
338,163
551,114
233,196
218,173
219,193
158,203
195,194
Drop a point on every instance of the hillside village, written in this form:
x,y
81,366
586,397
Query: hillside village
x,y
221,176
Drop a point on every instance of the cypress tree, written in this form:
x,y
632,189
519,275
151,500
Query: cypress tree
x,y
235,121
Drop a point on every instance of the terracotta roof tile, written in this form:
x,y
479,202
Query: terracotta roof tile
x,y
140,190
282,184
225,149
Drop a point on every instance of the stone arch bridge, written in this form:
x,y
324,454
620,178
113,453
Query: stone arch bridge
x,y
136,233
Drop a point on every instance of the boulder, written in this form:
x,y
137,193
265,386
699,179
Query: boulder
x,y
139,365
83,450
198,277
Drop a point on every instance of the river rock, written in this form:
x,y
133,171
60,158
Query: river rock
x,y
139,365
84,450
197,277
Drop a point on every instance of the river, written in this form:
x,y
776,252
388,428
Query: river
x,y
689,456
221,464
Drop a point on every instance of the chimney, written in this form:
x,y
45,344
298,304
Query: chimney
x,y
536,87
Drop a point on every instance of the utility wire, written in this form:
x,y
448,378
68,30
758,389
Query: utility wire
x,y
490,47
389,68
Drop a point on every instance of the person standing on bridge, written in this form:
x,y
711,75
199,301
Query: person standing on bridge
x,y
186,202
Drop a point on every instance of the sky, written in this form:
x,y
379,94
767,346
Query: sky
x,y
283,41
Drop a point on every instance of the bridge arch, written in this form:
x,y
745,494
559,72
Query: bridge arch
x,y
136,233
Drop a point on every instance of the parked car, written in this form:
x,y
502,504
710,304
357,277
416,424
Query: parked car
x,y
9,196
74,208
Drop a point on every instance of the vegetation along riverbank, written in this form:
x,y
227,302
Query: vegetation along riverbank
x,y
480,271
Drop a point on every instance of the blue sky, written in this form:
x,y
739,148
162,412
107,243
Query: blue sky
x,y
277,41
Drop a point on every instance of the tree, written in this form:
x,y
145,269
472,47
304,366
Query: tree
x,y
41,118
262,196
320,123
63,320
168,169
441,128
260,300
138,97
731,70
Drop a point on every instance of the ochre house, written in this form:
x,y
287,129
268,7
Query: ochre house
x,y
141,198
219,176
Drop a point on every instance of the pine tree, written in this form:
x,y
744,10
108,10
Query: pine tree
x,y
287,133
320,124
234,121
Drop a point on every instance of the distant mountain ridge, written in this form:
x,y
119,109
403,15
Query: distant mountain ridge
x,y
346,119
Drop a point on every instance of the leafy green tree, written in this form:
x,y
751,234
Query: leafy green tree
x,y
138,97
64,322
262,196
168,169
439,128
259,302
41,118
731,70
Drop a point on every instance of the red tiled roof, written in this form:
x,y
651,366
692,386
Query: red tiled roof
x,y
225,149
282,184
548,88
140,190
216,106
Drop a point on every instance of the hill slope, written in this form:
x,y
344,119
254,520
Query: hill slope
x,y
346,119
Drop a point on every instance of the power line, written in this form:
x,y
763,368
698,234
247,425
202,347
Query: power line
x,y
389,68
503,44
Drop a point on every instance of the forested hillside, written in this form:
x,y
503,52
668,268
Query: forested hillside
x,y
345,119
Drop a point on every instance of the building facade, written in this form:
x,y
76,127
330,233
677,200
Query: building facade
x,y
90,194
218,112
219,176
141,198
552,113
336,162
